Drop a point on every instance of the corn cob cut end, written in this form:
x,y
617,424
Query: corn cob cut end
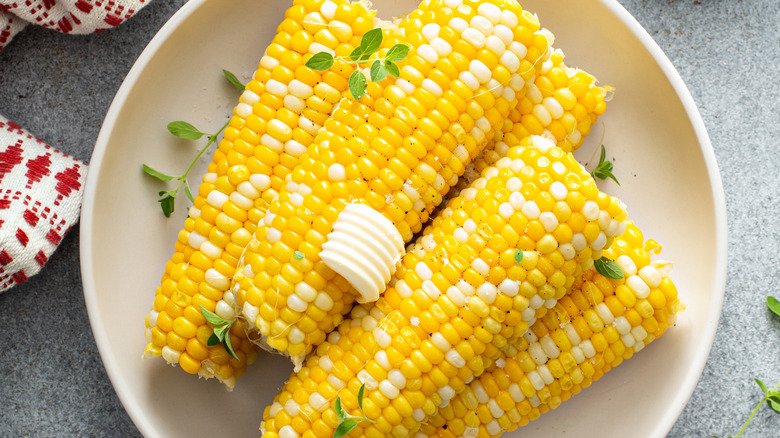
x,y
195,357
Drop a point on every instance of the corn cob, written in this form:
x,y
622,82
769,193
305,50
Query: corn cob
x,y
562,105
397,150
426,336
596,326
277,116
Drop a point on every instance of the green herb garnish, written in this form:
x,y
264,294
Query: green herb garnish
x,y
187,131
348,422
771,396
234,80
773,304
357,84
380,68
603,170
519,255
297,255
608,268
221,333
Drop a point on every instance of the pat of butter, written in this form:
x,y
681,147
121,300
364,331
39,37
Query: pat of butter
x,y
364,248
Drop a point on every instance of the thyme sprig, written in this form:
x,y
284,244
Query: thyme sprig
x,y
608,268
187,131
380,67
771,396
604,169
348,422
221,334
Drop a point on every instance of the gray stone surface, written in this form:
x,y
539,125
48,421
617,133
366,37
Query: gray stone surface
x,y
52,382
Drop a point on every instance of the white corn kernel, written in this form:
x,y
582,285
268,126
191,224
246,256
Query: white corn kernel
x,y
545,374
469,80
292,407
428,53
431,31
383,339
549,347
587,348
474,37
530,210
388,390
520,51
433,87
249,97
622,325
243,110
481,24
260,182
504,33
430,288
456,296
217,198
196,239
490,11
441,46
558,191
536,352
397,379
170,355
318,402
480,71
495,410
328,10
638,285
579,241
296,336
268,62
296,303
651,276
367,379
536,380
572,334
509,18
216,279
336,172
276,88
323,301
487,292
509,287
604,313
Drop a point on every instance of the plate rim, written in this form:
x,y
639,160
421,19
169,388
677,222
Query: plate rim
x,y
696,369
140,420
693,371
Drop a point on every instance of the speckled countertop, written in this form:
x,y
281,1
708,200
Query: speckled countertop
x,y
52,381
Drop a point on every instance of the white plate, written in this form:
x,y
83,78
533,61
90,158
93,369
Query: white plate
x,y
665,163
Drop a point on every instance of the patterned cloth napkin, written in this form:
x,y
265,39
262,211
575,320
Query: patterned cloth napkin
x,y
40,187
66,16
40,199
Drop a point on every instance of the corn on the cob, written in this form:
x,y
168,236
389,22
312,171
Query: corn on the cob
x,y
597,325
460,300
277,116
562,105
397,150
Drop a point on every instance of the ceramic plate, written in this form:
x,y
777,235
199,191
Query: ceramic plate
x,y
652,128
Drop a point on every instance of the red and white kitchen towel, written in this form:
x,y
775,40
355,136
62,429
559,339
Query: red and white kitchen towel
x,y
66,16
40,199
40,187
